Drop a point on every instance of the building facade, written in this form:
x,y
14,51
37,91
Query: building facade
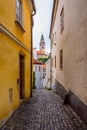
x,y
69,52
41,52
38,69
15,54
38,66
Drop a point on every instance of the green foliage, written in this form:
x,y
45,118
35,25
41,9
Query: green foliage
x,y
43,59
34,80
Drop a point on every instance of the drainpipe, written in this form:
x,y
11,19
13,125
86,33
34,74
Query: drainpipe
x,y
32,44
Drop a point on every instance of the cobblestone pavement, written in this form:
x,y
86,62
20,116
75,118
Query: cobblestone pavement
x,y
44,111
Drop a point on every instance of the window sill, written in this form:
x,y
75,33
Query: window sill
x,y
20,26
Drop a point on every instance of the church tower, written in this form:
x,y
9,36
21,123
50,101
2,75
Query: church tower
x,y
42,44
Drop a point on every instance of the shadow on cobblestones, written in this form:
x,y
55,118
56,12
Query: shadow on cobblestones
x,y
44,111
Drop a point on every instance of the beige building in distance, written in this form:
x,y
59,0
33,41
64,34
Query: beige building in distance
x,y
68,34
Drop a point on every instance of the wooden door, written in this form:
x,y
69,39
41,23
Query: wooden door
x,y
22,76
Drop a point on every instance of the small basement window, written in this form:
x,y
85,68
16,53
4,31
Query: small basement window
x,y
10,95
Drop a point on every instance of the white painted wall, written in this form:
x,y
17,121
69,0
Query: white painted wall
x,y
48,76
38,75
73,42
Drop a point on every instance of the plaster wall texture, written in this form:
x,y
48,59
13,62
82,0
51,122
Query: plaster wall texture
x,y
73,43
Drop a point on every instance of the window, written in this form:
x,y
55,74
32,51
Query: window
x,y
51,41
19,11
44,70
61,59
35,68
52,61
10,95
39,68
62,20
55,61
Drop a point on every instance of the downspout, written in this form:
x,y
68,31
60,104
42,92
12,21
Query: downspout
x,y
31,58
32,45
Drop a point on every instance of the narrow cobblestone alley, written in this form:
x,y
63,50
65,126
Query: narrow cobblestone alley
x,y
44,111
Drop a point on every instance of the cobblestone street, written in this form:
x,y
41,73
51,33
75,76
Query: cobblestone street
x,y
44,111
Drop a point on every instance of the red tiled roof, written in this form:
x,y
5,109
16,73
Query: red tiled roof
x,y
40,53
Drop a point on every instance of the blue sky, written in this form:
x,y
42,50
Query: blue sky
x,y
42,21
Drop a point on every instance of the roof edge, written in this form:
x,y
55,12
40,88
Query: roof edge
x,y
52,16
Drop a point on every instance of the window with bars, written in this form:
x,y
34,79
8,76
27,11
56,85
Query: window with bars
x,y
62,20
19,11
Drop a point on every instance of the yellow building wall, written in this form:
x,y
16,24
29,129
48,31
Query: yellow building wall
x,y
9,56
9,73
8,18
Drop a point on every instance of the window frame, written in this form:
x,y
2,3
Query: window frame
x,y
61,59
19,15
36,68
19,11
55,61
62,20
